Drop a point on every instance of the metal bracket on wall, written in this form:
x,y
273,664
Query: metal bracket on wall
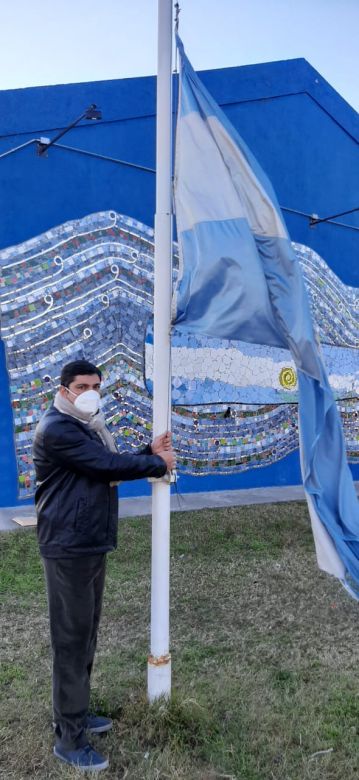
x,y
315,220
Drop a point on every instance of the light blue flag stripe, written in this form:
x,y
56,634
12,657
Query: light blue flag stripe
x,y
240,280
209,371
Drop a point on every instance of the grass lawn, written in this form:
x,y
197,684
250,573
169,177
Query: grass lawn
x,y
264,655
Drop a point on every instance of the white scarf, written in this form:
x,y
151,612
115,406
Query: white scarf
x,y
96,422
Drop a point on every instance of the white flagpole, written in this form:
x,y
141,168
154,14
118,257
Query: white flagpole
x,y
159,661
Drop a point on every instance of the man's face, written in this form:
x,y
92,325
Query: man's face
x,y
80,384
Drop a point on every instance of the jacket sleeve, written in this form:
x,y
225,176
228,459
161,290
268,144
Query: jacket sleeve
x,y
147,450
72,449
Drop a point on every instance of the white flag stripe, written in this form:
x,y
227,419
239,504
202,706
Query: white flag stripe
x,y
327,556
197,146
260,213
232,195
273,369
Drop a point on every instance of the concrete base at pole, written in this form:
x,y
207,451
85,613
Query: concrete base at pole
x,y
158,677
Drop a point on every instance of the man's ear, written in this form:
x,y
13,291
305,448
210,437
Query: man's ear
x,y
63,391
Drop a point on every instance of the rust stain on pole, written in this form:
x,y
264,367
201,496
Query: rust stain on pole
x,y
160,660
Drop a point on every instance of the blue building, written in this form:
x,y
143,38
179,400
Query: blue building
x,y
303,134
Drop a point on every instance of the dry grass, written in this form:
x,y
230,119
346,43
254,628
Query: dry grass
x,y
264,648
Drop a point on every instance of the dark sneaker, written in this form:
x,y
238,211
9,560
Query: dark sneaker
x,y
86,759
97,724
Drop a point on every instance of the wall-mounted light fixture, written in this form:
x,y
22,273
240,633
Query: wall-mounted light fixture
x,y
43,144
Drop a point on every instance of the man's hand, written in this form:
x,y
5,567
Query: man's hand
x,y
162,442
169,457
162,446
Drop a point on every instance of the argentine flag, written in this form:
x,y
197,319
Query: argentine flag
x,y
240,280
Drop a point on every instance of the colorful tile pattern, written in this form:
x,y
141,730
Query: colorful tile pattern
x,y
85,289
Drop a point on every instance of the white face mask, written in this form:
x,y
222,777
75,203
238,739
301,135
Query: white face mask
x,y
89,401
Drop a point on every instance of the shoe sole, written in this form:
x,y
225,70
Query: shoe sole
x,y
89,768
100,729
94,730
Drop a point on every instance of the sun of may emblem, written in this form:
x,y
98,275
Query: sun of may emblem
x,y
288,377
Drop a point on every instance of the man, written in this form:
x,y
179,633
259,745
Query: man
x,y
77,469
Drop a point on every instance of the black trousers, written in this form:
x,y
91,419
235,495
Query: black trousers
x,y
74,590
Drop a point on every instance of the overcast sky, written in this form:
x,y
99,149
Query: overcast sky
x,y
43,42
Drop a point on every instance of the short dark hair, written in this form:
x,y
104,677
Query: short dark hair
x,y
76,368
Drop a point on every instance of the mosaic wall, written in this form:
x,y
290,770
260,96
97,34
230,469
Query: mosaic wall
x,y
85,289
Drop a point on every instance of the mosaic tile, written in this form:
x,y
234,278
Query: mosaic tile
x,y
85,289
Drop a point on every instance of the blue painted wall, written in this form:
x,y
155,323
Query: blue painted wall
x,y
302,132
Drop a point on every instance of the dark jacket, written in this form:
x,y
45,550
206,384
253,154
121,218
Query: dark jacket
x,y
77,510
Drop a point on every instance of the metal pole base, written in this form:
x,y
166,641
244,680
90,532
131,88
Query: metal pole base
x,y
158,677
